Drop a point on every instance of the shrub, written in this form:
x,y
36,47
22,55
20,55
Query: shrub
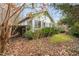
x,y
33,35
60,30
37,34
60,38
75,29
29,34
48,31
40,33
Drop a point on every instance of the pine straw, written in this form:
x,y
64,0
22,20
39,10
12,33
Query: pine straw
x,y
40,47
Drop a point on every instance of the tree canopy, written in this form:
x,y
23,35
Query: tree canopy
x,y
70,11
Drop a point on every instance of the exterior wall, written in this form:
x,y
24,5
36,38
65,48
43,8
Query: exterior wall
x,y
45,22
33,25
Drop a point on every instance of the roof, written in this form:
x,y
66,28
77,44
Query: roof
x,y
37,11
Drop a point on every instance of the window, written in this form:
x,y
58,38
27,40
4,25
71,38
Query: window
x,y
37,24
43,24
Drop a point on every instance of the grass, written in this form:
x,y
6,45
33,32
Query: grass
x,y
58,38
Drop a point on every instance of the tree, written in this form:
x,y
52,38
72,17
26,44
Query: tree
x,y
70,10
12,12
9,17
71,17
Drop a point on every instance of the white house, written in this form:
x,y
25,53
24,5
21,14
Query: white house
x,y
40,20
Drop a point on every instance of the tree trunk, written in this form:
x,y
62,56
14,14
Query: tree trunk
x,y
5,34
2,41
2,48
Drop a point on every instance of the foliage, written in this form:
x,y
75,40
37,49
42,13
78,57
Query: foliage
x,y
69,9
45,32
75,29
29,34
58,38
61,30
37,34
48,31
33,35
67,20
72,17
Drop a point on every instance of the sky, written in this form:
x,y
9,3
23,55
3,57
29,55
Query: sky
x,y
55,14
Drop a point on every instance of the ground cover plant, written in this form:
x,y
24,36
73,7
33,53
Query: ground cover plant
x,y
58,38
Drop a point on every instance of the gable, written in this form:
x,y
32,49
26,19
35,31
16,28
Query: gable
x,y
45,16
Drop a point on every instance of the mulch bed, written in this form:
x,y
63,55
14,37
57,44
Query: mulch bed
x,y
40,47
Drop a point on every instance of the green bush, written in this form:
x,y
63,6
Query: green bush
x,y
58,38
45,32
33,35
75,29
48,32
29,34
